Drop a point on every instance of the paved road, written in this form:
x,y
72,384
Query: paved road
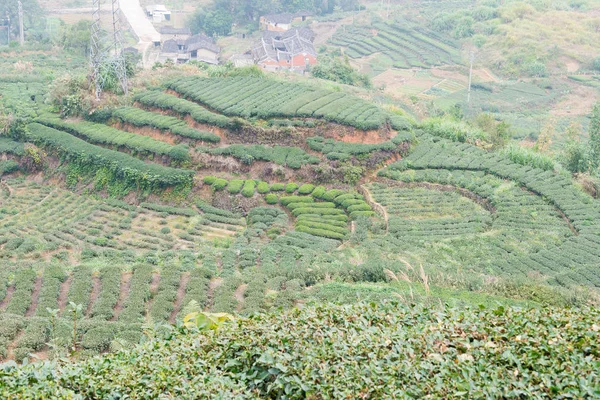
x,y
142,27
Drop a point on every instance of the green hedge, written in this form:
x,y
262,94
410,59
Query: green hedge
x,y
307,188
277,187
262,187
235,186
321,232
271,198
292,157
483,348
10,146
285,200
138,117
169,102
248,190
105,135
124,166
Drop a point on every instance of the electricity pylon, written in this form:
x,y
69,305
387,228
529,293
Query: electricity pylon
x,y
106,51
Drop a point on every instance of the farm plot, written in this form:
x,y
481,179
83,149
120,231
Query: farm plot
x,y
419,213
542,223
406,46
141,118
85,155
40,221
105,135
267,98
317,211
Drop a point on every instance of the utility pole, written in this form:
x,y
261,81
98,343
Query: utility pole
x,y
7,29
21,32
388,9
472,57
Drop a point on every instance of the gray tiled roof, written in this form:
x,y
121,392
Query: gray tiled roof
x,y
170,46
169,30
284,46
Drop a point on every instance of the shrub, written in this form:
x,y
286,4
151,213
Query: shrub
x,y
271,198
262,187
235,186
277,187
291,187
285,200
209,180
330,195
307,188
219,184
319,192
248,190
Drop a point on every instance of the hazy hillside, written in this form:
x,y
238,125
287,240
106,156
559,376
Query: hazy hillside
x,y
212,213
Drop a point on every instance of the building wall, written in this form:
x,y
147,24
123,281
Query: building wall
x,y
300,61
207,56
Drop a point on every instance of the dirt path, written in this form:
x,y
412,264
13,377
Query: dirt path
x,y
63,294
6,300
210,297
35,296
153,291
183,282
10,349
93,295
123,294
239,295
376,206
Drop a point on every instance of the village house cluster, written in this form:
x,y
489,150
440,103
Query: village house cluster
x,y
282,44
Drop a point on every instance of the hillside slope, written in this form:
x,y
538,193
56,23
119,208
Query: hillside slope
x,y
360,351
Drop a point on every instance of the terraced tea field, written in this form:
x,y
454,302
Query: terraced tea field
x,y
42,222
276,205
546,225
406,46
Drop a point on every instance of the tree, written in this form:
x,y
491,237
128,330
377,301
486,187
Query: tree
x,y
212,22
34,21
339,70
544,139
76,37
575,156
595,136
596,64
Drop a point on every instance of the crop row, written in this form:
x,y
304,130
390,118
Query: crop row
x,y
138,117
335,150
105,135
124,166
406,46
10,146
170,102
265,98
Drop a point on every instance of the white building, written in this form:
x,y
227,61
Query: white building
x,y
158,13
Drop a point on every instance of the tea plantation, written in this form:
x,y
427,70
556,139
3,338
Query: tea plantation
x,y
263,199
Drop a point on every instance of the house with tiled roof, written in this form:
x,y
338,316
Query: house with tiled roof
x,y
293,49
197,48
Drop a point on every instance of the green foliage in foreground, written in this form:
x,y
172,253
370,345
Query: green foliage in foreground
x,y
377,351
